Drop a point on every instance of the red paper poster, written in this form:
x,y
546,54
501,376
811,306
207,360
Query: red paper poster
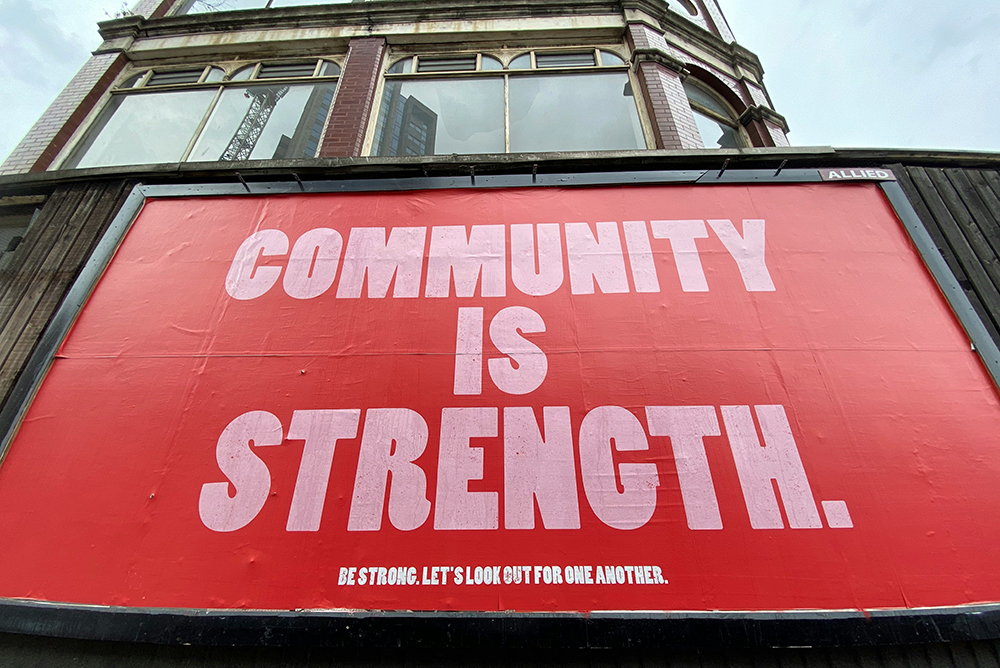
x,y
619,398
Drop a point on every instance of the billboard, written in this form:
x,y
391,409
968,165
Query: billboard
x,y
649,398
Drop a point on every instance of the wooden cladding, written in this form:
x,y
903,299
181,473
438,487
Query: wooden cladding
x,y
51,256
961,210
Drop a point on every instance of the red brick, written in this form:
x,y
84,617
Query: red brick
x,y
345,132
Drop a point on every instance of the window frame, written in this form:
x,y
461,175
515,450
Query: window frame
x,y
506,56
731,121
89,131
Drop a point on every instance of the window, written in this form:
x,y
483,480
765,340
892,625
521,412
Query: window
x,y
259,112
208,6
541,101
715,119
684,7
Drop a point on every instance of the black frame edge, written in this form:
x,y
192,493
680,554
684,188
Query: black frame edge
x,y
501,630
974,327
37,367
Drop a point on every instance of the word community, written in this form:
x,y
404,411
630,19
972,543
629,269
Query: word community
x,y
480,257
380,576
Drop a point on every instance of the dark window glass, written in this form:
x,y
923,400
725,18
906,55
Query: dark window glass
x,y
264,123
457,64
281,70
565,59
580,112
174,77
441,116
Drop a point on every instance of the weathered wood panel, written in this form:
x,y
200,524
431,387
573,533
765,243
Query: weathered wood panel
x,y
961,210
55,249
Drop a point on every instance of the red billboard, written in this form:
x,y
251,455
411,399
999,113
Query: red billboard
x,y
733,398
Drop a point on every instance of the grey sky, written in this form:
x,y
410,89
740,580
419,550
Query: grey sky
x,y
880,73
885,73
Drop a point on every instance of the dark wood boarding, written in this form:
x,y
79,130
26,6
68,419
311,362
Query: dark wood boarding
x,y
961,210
54,250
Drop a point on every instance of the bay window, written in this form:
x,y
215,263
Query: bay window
x,y
261,111
580,100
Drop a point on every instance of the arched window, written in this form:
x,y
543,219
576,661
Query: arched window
x,y
544,100
716,120
261,111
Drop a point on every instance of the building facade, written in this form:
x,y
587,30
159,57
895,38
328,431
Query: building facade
x,y
210,189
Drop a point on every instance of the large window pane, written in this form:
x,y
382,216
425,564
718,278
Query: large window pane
x,y
265,122
715,134
440,117
706,100
204,6
303,3
583,112
144,128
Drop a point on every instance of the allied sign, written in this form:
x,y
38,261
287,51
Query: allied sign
x,y
711,398
857,174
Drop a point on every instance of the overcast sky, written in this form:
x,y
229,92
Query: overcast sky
x,y
877,73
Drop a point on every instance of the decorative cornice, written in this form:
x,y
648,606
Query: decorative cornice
x,y
367,14
759,113
658,56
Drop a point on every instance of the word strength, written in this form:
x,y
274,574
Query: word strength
x,y
537,470
480,257
378,576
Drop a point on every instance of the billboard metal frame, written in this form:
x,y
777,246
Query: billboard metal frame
x,y
377,629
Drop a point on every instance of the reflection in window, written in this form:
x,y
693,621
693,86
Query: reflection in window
x,y
205,6
716,121
440,116
715,134
208,6
582,101
226,121
265,122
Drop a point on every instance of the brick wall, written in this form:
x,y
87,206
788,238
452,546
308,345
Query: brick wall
x,y
673,121
670,113
344,135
